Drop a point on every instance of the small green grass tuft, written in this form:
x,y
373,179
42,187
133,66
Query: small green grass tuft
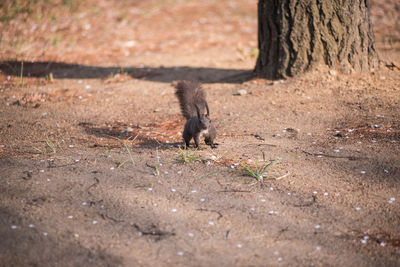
x,y
21,78
187,156
257,172
158,163
51,145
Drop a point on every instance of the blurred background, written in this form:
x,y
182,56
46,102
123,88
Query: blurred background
x,y
110,32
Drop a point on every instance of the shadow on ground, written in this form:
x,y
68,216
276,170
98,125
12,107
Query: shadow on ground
x,y
61,70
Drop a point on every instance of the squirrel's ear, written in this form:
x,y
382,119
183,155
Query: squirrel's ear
x,y
208,111
198,111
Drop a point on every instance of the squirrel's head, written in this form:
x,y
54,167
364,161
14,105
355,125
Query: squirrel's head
x,y
204,120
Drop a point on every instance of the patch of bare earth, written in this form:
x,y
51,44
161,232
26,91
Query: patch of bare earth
x,y
91,169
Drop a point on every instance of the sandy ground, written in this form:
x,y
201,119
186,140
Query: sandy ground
x,y
91,169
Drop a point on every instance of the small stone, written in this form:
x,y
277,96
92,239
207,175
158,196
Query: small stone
x,y
317,226
382,244
362,172
190,234
357,208
31,225
45,233
202,199
333,72
241,92
180,253
70,217
95,222
210,223
239,245
173,190
173,210
112,168
13,227
318,248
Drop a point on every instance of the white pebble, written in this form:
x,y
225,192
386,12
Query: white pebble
x,y
166,172
263,200
289,193
318,248
70,217
45,233
194,191
202,199
317,226
271,188
180,253
210,223
382,244
276,252
173,190
179,172
357,208
336,150
150,189
173,210
84,203
77,160
325,193
71,146
386,171
280,259
76,235
190,234
239,245
362,172
112,168
31,225
41,171
95,222
270,212
13,227
315,192
363,241
48,180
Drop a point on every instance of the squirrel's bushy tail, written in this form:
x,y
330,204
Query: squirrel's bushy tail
x,y
190,94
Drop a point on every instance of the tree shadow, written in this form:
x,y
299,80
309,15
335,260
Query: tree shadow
x,y
113,135
61,70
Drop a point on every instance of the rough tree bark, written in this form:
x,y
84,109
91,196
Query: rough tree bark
x,y
297,35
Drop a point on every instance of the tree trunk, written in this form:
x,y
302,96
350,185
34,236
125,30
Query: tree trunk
x,y
297,35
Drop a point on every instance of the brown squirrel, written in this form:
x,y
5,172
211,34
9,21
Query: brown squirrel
x,y
192,99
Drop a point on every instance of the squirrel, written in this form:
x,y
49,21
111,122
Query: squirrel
x,y
192,100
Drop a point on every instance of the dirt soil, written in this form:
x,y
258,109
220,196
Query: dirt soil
x,y
90,165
